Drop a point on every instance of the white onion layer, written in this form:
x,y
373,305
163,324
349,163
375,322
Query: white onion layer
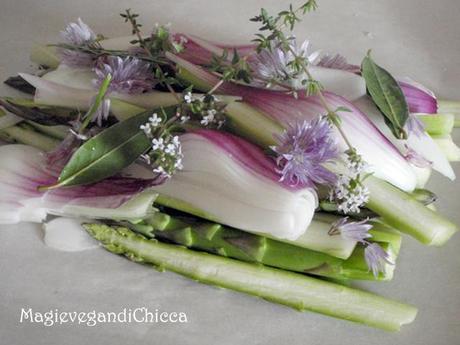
x,y
213,181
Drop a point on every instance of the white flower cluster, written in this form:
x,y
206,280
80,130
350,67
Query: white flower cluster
x,y
349,196
356,166
349,193
209,118
201,109
188,98
154,122
166,153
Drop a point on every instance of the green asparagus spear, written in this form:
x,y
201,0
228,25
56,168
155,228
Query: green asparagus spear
x,y
237,244
291,289
316,238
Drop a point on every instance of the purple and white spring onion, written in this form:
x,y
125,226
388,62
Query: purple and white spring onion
x,y
235,183
414,126
384,159
418,147
327,69
419,98
24,168
416,159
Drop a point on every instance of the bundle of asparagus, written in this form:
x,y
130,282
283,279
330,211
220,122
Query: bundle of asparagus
x,y
262,168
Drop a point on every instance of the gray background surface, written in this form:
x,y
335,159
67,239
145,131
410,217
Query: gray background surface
x,y
420,39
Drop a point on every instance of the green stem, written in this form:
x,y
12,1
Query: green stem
x,y
437,124
45,56
291,289
244,119
97,102
58,132
452,107
25,134
405,213
448,106
448,147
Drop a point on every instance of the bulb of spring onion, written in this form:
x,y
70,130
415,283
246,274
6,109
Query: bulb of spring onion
x,y
281,109
235,183
221,188
398,208
23,169
419,98
423,144
73,88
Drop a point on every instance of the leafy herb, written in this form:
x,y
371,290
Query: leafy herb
x,y
107,153
155,46
235,69
387,95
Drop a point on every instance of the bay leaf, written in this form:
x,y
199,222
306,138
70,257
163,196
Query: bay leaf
x,y
387,96
107,153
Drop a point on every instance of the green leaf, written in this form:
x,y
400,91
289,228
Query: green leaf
x,y
387,95
107,153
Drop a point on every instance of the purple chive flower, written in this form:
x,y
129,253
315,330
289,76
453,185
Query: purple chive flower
x,y
414,126
337,61
303,148
78,33
271,64
416,159
355,231
374,255
129,75
274,63
75,58
376,258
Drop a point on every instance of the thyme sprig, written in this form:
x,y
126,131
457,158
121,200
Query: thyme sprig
x,y
276,37
154,46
